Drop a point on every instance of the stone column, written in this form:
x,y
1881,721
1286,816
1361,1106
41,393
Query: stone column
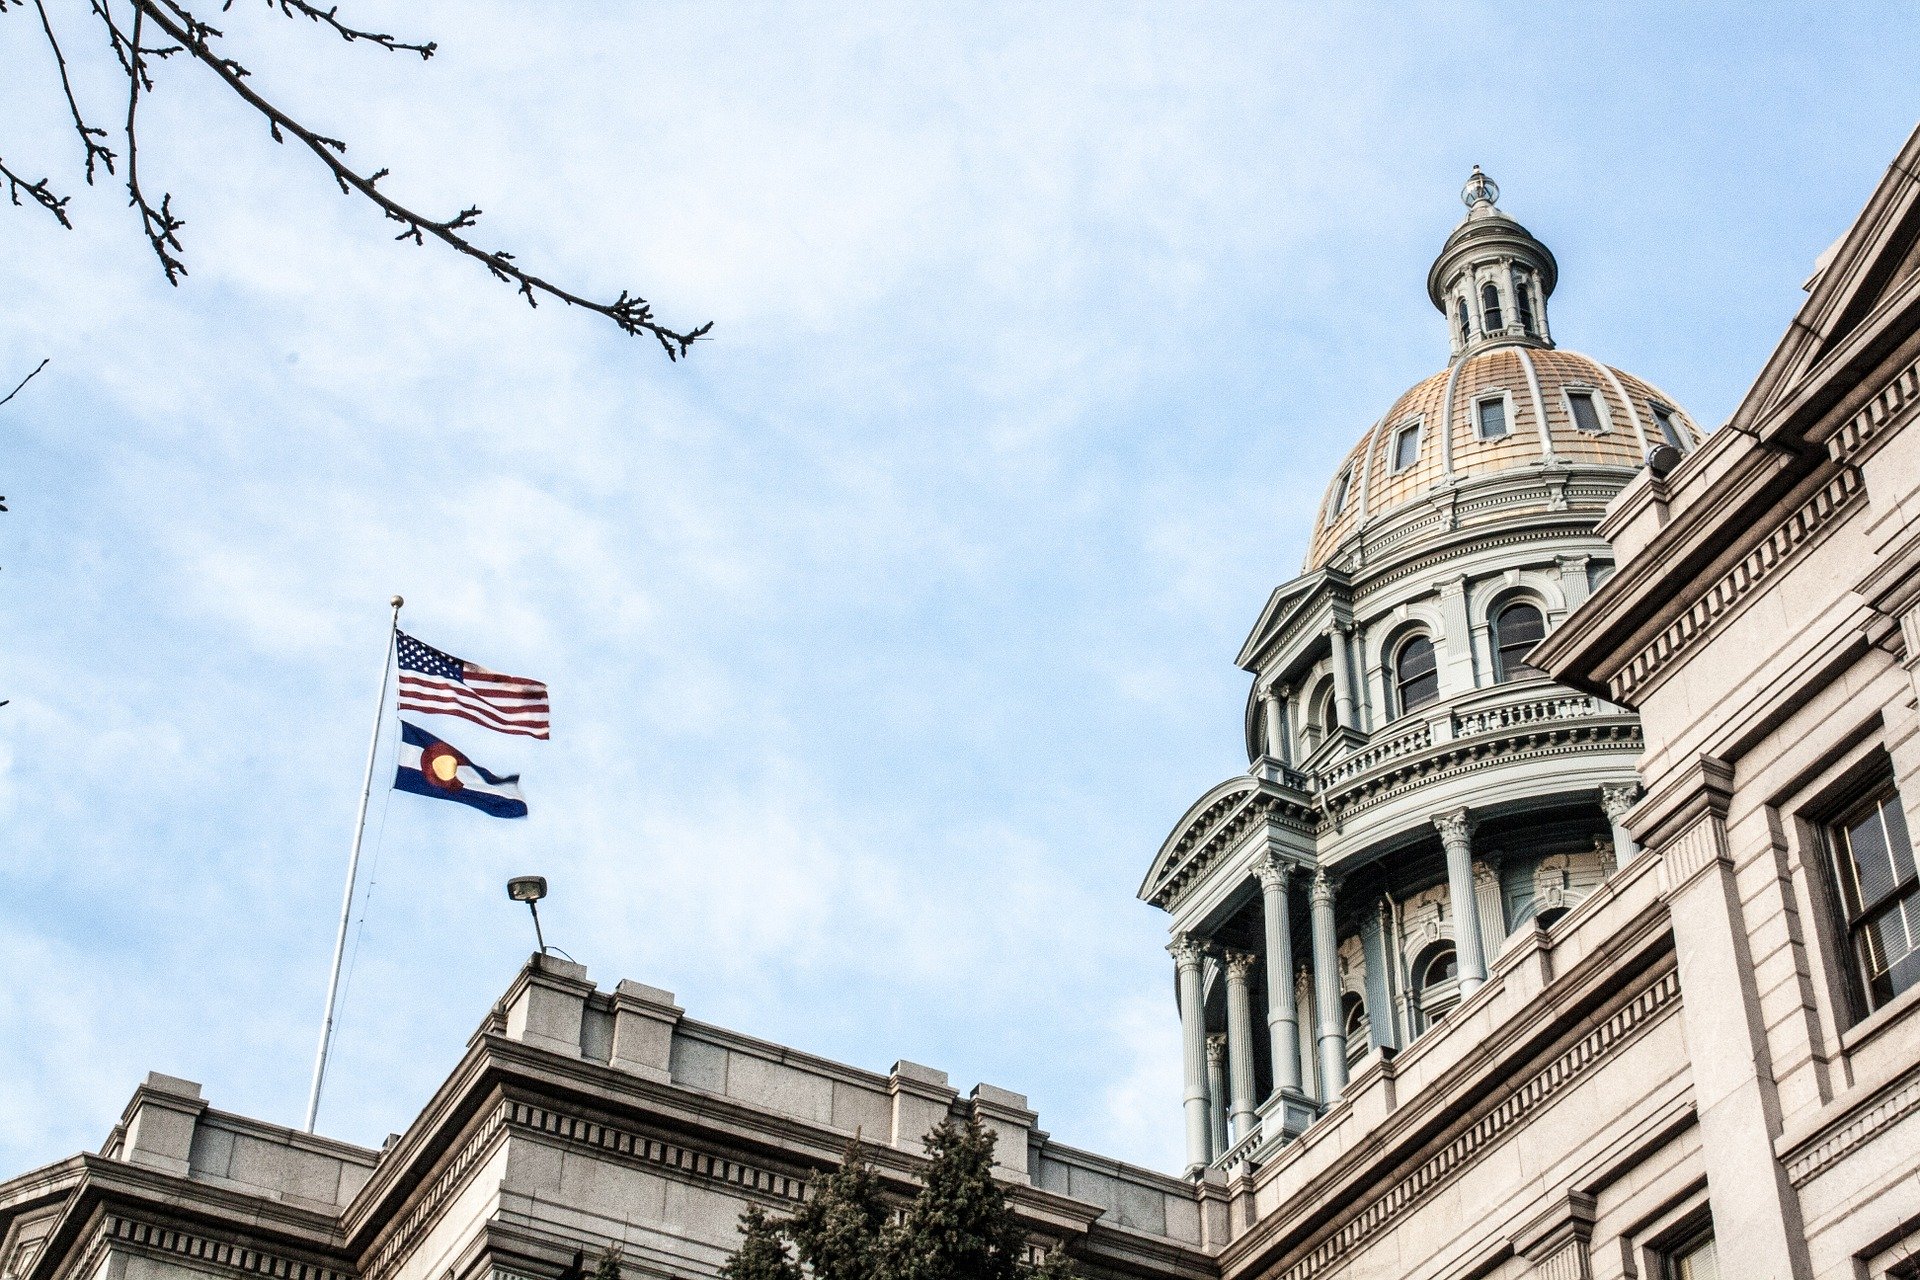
x,y
1217,1095
1240,1043
1326,988
1283,1017
1309,1056
1342,675
1276,732
1456,832
1193,1042
1615,799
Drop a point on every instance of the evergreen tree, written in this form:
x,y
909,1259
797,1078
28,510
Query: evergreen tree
x,y
762,1255
960,1226
607,1265
840,1232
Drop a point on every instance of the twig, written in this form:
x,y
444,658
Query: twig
x,y
16,391
96,151
159,224
42,194
633,314
331,17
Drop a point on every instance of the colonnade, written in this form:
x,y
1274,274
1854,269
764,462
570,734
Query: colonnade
x,y
1221,1109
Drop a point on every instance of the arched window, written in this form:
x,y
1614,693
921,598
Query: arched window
x,y
1436,967
1416,674
1490,309
1353,1017
1436,982
1516,629
1466,325
1523,301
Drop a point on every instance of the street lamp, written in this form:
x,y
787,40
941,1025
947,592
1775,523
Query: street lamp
x,y
530,889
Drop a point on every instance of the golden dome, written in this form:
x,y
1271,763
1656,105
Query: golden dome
x,y
1509,402
1528,384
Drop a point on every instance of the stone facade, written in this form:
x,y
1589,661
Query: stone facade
x,y
1460,997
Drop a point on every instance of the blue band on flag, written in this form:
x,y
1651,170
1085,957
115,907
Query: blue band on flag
x,y
453,776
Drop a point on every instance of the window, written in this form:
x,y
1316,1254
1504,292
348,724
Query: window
x,y
1353,1017
1436,982
1516,629
1490,309
1338,502
1523,301
1663,415
1493,418
1466,326
1586,414
1880,895
1694,1260
1406,446
1416,675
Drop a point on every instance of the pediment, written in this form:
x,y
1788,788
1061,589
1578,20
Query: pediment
x,y
1875,264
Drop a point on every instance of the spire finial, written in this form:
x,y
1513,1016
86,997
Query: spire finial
x,y
1479,189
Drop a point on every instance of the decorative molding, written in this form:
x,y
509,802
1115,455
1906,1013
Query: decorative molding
x,y
654,1151
1455,828
1273,873
1720,600
1892,403
1616,798
410,1228
1460,759
209,1251
1216,1049
1187,951
1863,1128
1693,851
1442,1169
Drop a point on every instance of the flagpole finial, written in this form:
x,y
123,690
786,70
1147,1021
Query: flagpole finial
x,y
398,601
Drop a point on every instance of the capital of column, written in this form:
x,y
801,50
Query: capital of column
x,y
1455,827
1216,1049
1341,625
1618,797
1187,951
1240,965
1320,892
1273,872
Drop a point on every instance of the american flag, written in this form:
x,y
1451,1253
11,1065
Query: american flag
x,y
441,684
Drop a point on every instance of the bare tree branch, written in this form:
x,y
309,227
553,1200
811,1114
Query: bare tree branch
x,y
42,194
95,150
16,391
331,17
159,224
196,38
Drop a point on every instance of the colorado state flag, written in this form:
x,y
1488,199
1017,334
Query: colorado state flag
x,y
430,767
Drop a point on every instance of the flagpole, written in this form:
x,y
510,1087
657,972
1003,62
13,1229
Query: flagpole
x,y
353,870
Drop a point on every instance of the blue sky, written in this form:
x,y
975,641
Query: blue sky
x,y
888,635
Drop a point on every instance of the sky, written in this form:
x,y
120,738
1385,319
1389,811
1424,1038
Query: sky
x,y
890,633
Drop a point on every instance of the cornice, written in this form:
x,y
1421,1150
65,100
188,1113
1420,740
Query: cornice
x,y
1852,1129
210,1252
1725,597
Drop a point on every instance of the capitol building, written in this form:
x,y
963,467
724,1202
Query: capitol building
x,y
1565,922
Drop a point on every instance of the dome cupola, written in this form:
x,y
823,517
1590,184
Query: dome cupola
x,y
1492,278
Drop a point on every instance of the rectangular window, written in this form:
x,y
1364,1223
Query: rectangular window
x,y
1668,427
1406,446
1880,895
1695,1260
1586,414
1493,418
